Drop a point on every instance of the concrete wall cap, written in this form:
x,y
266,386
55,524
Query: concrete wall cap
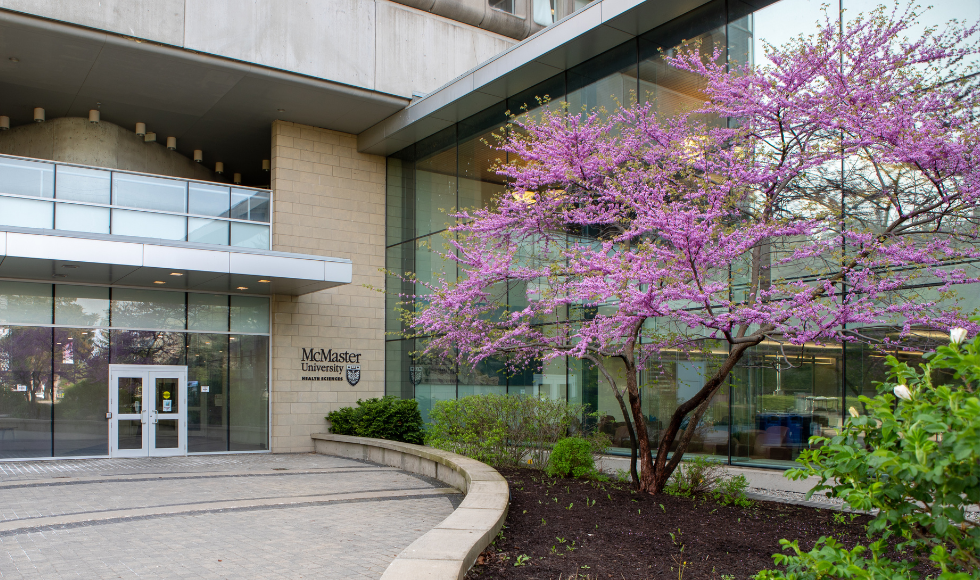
x,y
447,551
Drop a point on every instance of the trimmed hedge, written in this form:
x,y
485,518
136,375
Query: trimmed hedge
x,y
388,418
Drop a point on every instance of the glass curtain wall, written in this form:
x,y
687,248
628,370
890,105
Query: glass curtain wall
x,y
778,396
57,342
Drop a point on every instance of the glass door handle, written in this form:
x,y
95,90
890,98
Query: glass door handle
x,y
156,419
108,415
143,417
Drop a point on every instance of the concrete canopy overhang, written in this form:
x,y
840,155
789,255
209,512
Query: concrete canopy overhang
x,y
219,105
56,256
587,33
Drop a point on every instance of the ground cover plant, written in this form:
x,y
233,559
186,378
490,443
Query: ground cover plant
x,y
562,528
805,202
386,418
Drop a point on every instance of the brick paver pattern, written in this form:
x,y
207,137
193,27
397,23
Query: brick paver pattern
x,y
223,516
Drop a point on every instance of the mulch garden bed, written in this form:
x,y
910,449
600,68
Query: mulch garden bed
x,y
555,531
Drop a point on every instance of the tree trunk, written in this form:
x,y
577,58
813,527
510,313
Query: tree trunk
x,y
626,418
646,461
662,469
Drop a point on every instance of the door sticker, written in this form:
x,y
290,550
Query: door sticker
x,y
167,405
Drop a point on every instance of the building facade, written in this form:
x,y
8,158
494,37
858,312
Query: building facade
x,y
199,200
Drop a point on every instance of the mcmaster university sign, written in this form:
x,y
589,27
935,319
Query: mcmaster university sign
x,y
339,365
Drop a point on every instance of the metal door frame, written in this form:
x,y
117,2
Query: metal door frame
x,y
148,414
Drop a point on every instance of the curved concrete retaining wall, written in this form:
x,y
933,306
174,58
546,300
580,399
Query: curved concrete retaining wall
x,y
448,550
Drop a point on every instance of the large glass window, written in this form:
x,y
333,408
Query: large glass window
x,y
134,308
81,396
248,393
26,391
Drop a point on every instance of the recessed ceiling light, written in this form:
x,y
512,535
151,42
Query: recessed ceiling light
x,y
159,282
281,110
14,59
243,287
176,274
61,275
69,266
265,281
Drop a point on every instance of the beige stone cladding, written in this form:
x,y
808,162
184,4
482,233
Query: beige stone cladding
x,y
329,200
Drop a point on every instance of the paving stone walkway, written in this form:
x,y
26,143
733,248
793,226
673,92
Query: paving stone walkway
x,y
218,516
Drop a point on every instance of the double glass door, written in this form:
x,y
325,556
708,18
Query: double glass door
x,y
147,410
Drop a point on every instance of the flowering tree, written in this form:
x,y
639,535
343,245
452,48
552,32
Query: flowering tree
x,y
845,172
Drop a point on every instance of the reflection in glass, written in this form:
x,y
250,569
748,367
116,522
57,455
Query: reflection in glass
x,y
143,224
435,182
250,204
21,177
145,192
25,303
166,434
81,218
167,395
207,387
26,391
130,434
250,236
248,394
146,347
129,395
135,308
205,231
83,184
249,314
207,312
26,213
81,396
81,305
207,199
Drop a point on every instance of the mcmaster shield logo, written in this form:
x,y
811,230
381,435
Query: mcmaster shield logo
x,y
353,374
415,375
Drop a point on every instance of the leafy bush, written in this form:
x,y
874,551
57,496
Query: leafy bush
x,y
501,430
702,476
914,457
572,457
388,418
696,476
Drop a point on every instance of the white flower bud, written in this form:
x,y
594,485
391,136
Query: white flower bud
x,y
903,392
957,335
854,412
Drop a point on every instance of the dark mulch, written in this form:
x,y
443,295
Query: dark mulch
x,y
626,535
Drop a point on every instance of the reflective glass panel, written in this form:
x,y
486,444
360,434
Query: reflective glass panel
x,y
249,204
130,434
26,391
25,303
249,314
250,236
167,395
26,213
207,387
81,218
146,347
207,312
33,178
204,231
81,305
81,363
166,434
145,192
248,395
206,199
133,308
148,225
435,182
84,184
129,395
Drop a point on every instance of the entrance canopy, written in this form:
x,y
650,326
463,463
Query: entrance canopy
x,y
68,257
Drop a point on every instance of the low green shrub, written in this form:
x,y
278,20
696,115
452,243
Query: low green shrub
x,y
702,476
388,418
572,457
501,430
